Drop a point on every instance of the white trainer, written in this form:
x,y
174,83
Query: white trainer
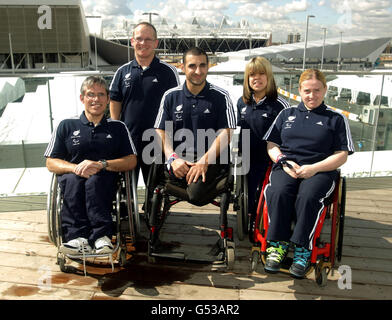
x,y
76,246
103,245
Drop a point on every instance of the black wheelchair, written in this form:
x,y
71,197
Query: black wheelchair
x,y
162,194
126,223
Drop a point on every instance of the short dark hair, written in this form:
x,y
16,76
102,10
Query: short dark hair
x,y
195,51
145,23
90,81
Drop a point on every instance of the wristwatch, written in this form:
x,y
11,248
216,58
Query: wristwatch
x,y
104,164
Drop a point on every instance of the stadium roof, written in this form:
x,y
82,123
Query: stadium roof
x,y
361,47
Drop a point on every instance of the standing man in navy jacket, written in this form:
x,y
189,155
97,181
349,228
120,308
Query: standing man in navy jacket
x,y
138,86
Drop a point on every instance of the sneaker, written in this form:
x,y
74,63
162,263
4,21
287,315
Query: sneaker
x,y
76,246
301,262
103,245
276,252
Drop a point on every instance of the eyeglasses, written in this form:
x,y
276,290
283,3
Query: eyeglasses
x,y
91,95
141,40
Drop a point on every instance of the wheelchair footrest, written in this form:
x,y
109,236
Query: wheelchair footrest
x,y
169,255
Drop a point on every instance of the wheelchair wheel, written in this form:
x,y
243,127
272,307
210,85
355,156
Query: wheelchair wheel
x,y
53,208
341,210
61,262
132,201
230,257
242,212
149,191
321,276
254,260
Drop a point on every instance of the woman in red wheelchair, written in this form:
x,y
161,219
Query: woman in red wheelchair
x,y
307,143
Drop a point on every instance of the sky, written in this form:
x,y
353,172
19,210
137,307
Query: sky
x,y
280,17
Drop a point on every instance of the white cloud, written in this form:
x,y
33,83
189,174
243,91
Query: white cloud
x,y
295,6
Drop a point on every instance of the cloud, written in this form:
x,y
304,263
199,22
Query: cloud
x,y
295,6
106,8
363,17
113,12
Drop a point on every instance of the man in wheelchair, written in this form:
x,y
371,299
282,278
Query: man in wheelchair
x,y
189,113
87,153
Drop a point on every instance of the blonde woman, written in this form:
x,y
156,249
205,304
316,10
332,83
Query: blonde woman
x,y
307,143
257,109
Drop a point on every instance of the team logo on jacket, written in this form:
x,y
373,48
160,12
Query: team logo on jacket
x,y
75,137
178,112
127,80
289,122
291,118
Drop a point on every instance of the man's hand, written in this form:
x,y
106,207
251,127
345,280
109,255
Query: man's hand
x,y
180,168
87,168
196,170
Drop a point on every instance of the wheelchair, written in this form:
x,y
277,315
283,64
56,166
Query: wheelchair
x,y
161,195
327,241
126,222
240,198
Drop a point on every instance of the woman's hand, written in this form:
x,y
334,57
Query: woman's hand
x,y
306,171
291,168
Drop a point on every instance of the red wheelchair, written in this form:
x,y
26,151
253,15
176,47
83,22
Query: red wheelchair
x,y
328,239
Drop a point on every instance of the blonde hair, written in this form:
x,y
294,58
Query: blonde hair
x,y
312,74
259,65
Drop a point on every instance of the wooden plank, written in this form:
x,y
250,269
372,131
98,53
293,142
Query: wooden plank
x,y
24,251
18,291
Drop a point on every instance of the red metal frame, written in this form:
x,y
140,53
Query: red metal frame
x,y
327,251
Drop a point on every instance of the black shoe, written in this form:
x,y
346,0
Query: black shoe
x,y
301,262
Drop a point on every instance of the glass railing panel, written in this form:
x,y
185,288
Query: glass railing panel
x,y
49,98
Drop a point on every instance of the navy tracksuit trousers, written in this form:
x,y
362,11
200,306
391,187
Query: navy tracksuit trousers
x,y
87,205
300,200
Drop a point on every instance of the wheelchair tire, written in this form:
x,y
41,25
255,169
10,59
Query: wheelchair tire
x,y
156,205
254,260
230,258
51,208
242,212
61,263
122,258
342,211
321,276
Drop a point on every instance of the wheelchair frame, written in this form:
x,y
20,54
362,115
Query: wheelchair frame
x,y
159,208
324,253
125,217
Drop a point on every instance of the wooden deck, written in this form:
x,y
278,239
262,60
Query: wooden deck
x,y
28,267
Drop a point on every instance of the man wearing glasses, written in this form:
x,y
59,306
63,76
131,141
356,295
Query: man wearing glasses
x,y
86,153
138,86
